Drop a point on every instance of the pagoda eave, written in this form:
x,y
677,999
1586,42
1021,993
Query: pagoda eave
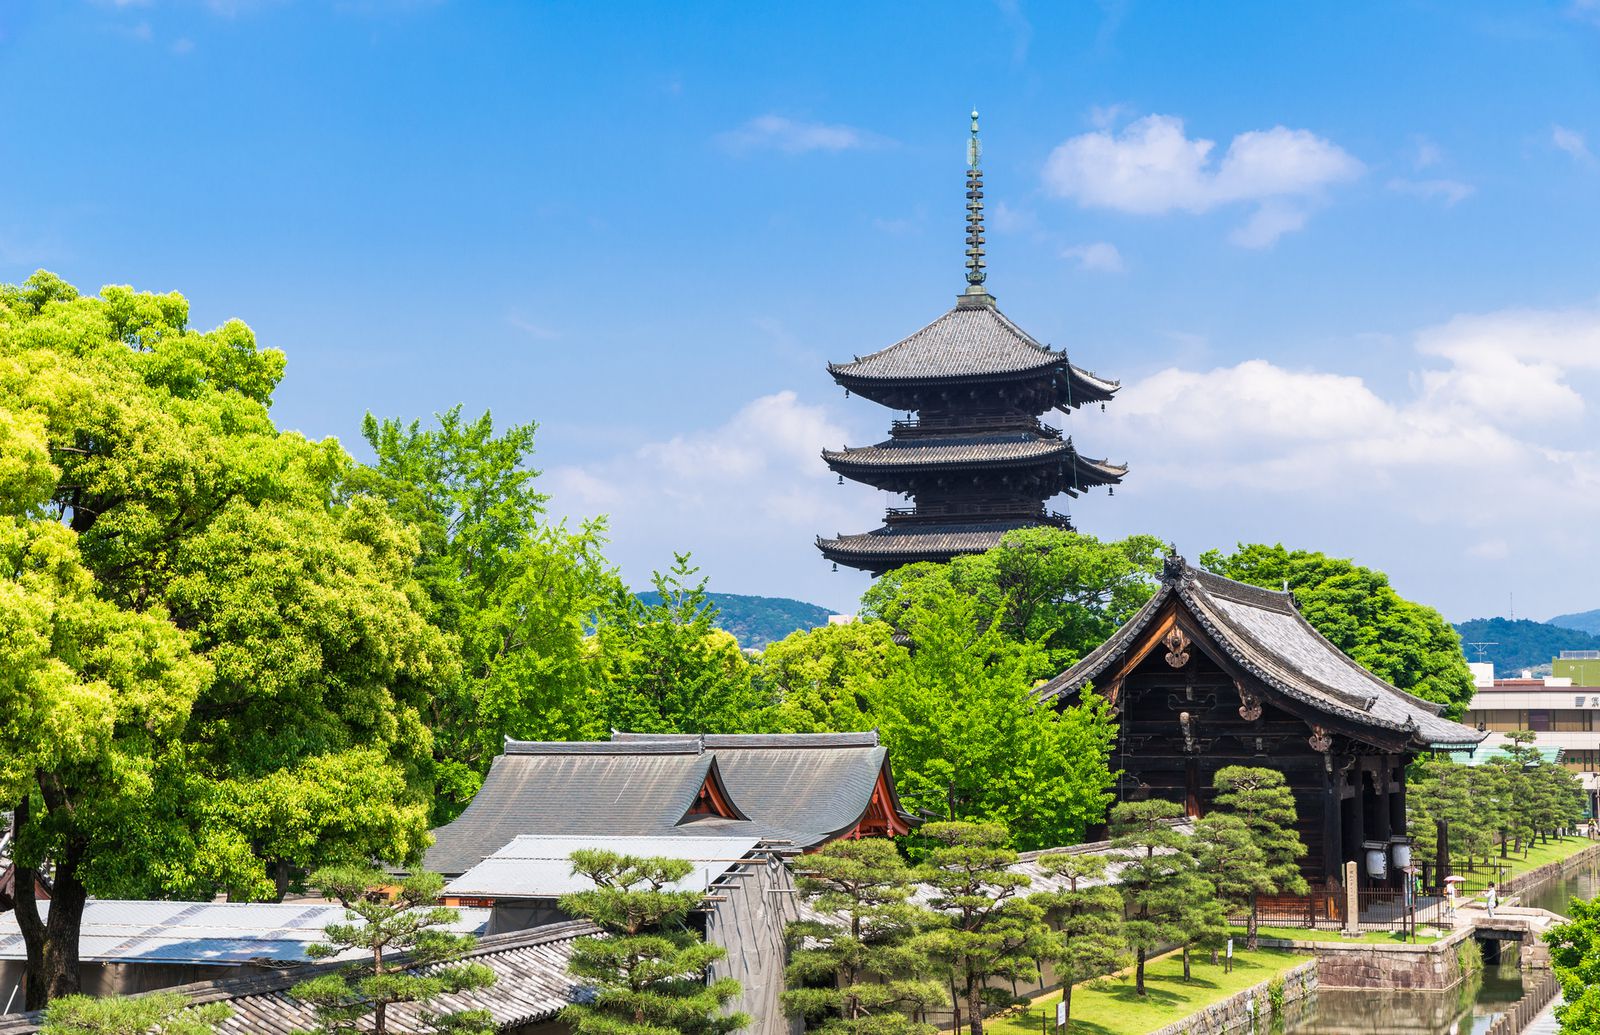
x,y
886,548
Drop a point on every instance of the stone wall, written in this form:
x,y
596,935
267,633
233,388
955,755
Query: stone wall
x,y
1234,1013
1434,966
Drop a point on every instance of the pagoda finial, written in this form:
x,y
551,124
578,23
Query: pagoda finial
x,y
975,294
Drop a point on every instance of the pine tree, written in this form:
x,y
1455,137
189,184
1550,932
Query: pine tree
x,y
1232,862
992,931
864,970
154,1013
1088,918
649,973
1158,875
408,923
1262,799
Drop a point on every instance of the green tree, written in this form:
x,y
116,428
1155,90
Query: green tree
x,y
1158,881
861,967
1087,914
667,668
513,589
153,1013
1408,644
649,972
815,677
408,925
1575,957
991,930
970,743
190,509
1063,591
1232,862
1262,799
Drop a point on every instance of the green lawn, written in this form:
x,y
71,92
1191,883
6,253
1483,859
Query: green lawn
x,y
1116,1010
1515,863
1320,935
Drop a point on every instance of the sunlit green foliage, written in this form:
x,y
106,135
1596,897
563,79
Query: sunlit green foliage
x,y
154,1013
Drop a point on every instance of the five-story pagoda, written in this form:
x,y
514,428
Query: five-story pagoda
x,y
976,461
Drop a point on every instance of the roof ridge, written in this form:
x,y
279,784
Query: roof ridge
x,y
672,745
868,738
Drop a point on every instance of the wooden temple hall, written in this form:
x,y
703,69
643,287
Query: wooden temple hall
x,y
972,455
1212,673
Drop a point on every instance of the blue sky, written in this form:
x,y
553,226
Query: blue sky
x,y
1363,319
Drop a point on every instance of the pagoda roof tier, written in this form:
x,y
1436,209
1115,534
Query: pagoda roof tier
x,y
972,342
891,460
889,547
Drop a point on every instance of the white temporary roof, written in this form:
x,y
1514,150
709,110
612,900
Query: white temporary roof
x,y
537,866
218,933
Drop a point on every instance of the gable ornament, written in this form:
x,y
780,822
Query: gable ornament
x,y
1319,740
1177,645
1249,706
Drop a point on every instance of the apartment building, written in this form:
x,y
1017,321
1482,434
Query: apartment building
x,y
1563,708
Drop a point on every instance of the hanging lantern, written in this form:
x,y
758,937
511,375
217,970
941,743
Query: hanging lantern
x,y
1377,859
1402,854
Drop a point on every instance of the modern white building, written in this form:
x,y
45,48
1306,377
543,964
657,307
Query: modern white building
x,y
1565,715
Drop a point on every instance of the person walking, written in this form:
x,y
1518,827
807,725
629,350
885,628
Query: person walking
x,y
1492,898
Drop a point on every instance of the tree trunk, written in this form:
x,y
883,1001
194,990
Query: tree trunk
x,y
974,1003
1138,974
52,945
1186,964
1250,940
380,1018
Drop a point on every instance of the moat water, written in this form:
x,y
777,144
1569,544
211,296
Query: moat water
x,y
1468,1009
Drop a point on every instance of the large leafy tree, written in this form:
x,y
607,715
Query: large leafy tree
x,y
860,966
1065,592
515,590
1408,644
267,643
409,956
1263,802
1575,957
666,667
815,677
649,972
991,928
970,743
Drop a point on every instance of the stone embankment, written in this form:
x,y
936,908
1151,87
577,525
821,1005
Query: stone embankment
x,y
1535,877
1236,1013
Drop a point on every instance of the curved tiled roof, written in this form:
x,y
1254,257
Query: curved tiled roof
x,y
970,341
913,541
1263,631
1014,447
802,788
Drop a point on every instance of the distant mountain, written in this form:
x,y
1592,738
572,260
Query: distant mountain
x,y
1514,645
758,621
1583,621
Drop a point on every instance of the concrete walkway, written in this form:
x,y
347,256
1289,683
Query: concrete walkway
x,y
1545,1023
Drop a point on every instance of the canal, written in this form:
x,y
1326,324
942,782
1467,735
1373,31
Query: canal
x,y
1467,1009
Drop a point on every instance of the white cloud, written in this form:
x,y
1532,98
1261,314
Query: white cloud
x,y
791,136
1573,143
1101,256
1153,167
1426,153
1449,192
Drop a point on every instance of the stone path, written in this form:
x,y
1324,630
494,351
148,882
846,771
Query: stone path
x,y
1545,1023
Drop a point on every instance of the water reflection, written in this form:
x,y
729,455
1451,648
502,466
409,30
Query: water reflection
x,y
1468,1009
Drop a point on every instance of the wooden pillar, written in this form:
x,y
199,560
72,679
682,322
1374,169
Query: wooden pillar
x,y
1380,783
1358,809
1332,827
1397,800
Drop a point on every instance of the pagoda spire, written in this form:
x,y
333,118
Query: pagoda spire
x,y
975,294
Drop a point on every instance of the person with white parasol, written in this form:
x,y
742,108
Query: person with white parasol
x,y
1450,883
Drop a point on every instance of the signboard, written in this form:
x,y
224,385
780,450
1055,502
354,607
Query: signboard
x,y
1061,1014
1230,948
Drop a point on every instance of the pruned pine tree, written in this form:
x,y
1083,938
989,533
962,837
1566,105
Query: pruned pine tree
x,y
155,1013
1232,863
649,971
991,929
1159,872
1087,914
864,970
409,957
1263,800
